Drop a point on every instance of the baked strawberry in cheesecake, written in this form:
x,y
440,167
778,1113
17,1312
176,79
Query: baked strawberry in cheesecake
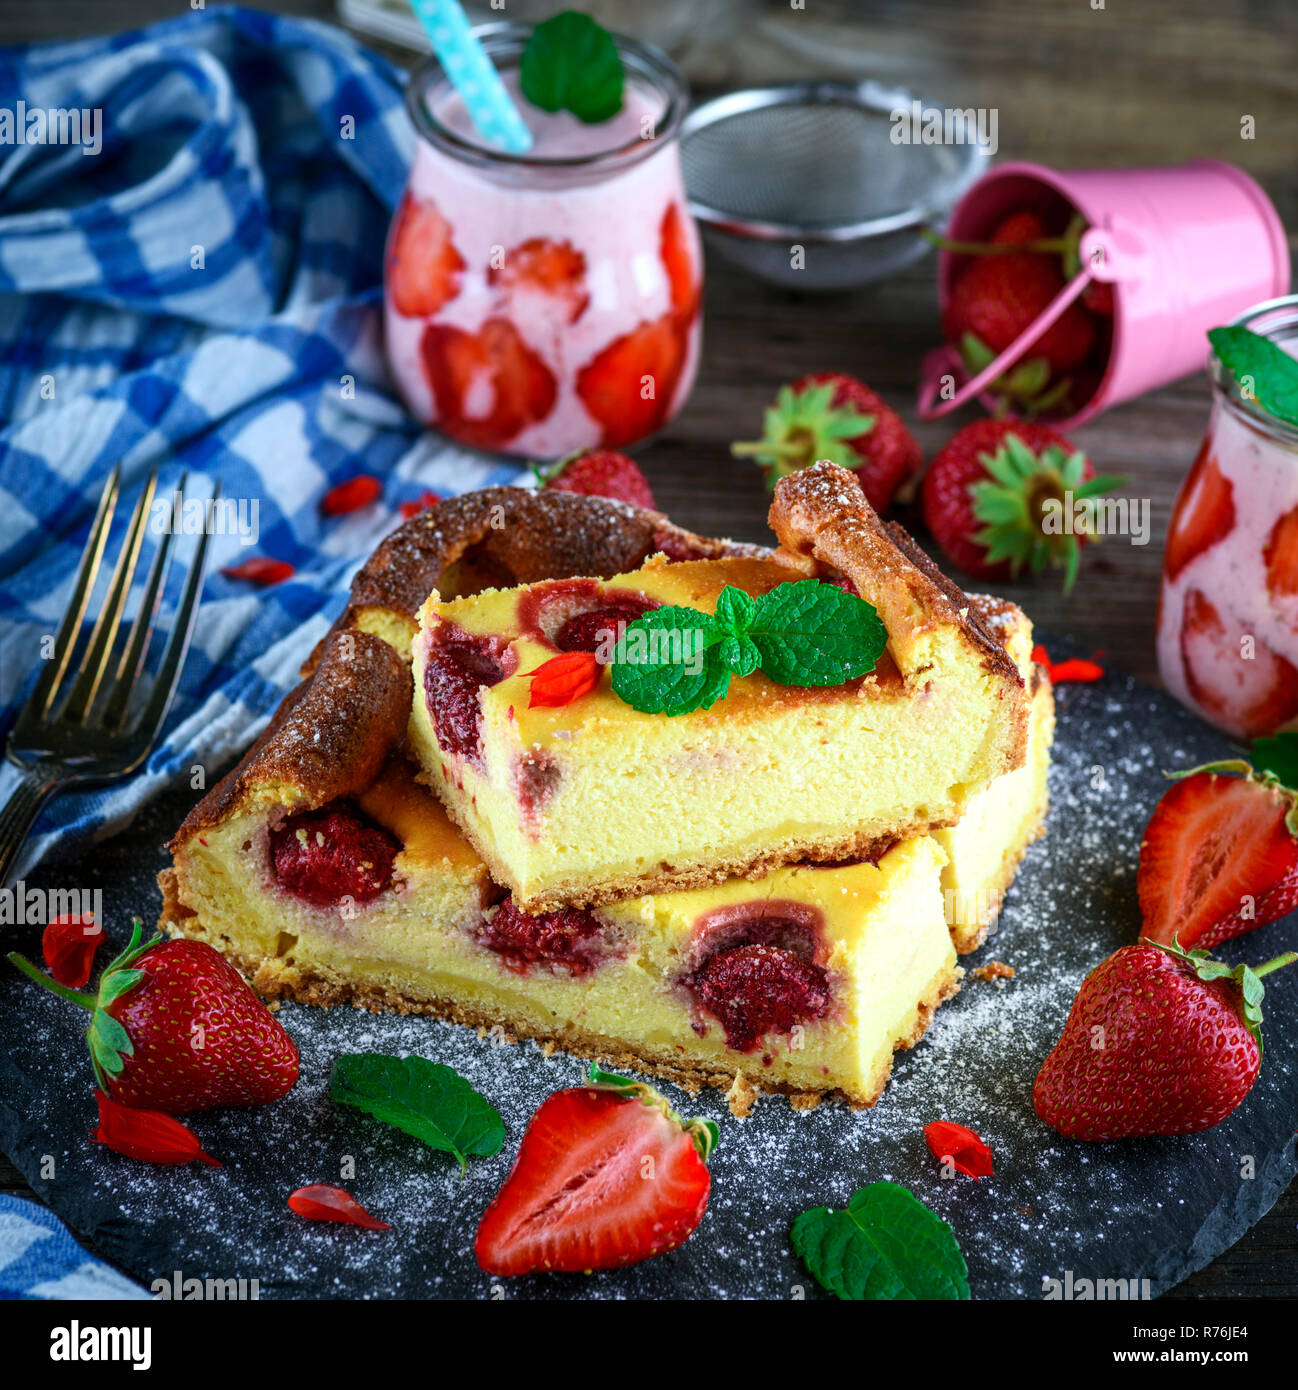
x,y
598,800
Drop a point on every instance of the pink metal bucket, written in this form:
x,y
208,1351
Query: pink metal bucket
x,y
1186,249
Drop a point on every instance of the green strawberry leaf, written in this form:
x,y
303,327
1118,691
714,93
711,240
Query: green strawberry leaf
x,y
1264,372
809,633
1277,757
422,1098
572,64
109,1043
885,1245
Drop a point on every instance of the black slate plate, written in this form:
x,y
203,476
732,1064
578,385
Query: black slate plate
x,y
1148,1209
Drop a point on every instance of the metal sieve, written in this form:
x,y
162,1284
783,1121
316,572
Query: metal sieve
x,y
814,165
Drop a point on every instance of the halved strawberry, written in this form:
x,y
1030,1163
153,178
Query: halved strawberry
x,y
554,268
1204,513
628,386
1219,856
1281,556
424,268
606,1175
488,386
678,259
1239,680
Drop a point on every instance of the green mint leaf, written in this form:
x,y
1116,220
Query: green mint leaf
x,y
809,633
885,1245
1278,756
571,64
734,610
738,654
423,1098
1264,372
669,662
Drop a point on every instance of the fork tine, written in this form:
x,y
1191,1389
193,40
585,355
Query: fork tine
x,y
182,629
109,621
51,678
131,665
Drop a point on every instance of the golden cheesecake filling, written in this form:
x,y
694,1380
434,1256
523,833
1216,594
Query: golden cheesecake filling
x,y
595,800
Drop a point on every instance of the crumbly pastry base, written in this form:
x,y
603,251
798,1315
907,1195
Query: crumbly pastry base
x,y
274,978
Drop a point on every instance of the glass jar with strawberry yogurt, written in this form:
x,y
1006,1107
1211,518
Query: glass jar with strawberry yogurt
x,y
1228,609
544,303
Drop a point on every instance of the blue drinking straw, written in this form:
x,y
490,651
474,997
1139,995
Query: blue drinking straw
x,y
476,80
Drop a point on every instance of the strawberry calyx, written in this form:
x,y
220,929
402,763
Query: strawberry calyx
x,y
803,427
1247,978
1275,760
1027,384
108,1041
547,474
1014,503
704,1133
1050,245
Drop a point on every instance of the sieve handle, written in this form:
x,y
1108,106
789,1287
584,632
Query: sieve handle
x,y
1098,263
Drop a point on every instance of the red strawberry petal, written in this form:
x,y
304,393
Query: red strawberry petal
x,y
148,1135
1074,669
959,1146
419,504
319,1202
262,570
563,679
68,945
352,495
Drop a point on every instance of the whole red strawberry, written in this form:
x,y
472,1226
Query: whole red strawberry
x,y
175,1028
602,473
1001,496
999,293
1158,1041
997,297
606,1175
833,416
1220,853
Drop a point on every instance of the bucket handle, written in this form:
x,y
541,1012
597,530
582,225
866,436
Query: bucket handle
x,y
1098,263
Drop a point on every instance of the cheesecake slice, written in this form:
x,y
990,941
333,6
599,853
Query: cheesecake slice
x,y
327,874
325,880
596,801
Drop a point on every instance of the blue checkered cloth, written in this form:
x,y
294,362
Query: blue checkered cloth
x,y
40,1259
202,294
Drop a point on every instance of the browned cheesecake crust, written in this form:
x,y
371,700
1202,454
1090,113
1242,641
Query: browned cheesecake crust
x,y
499,537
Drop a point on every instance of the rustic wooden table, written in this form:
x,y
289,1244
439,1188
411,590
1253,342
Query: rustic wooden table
x,y
1074,85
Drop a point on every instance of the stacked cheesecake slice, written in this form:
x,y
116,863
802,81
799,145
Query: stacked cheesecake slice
x,y
768,893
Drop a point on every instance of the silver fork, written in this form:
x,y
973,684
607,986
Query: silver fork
x,y
77,726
